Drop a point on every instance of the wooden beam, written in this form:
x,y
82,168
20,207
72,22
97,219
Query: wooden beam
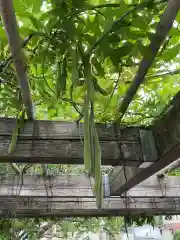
x,y
34,207
39,186
119,176
61,142
166,132
167,186
72,196
67,186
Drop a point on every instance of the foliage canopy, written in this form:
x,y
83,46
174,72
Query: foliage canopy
x,y
55,34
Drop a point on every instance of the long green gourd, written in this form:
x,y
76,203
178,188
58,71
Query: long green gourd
x,y
92,160
87,147
98,177
75,70
19,126
92,144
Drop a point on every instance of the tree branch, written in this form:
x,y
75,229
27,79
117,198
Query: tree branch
x,y
112,5
139,6
162,74
107,5
162,30
10,24
99,40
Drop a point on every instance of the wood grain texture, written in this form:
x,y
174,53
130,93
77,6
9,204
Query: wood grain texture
x,y
118,178
34,207
62,142
162,162
65,152
67,130
49,186
66,186
156,187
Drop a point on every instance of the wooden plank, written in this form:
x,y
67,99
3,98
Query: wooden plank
x,y
168,186
62,142
166,133
72,196
119,176
39,186
137,178
60,130
67,186
34,207
66,152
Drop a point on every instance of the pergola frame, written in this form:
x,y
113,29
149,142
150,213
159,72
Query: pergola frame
x,y
71,195
144,151
35,145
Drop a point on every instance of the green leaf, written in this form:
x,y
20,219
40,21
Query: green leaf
x,y
19,6
117,54
75,70
2,34
139,22
99,71
174,32
107,23
170,54
36,23
37,6
61,78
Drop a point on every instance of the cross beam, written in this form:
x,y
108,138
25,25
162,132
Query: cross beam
x,y
62,142
68,195
114,206
67,186
166,132
163,186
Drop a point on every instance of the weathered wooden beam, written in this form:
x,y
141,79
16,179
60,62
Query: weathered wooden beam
x,y
167,186
119,177
49,186
62,142
67,186
72,196
166,132
114,206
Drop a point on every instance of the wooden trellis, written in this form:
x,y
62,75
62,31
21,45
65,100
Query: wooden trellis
x,y
61,142
71,195
166,132
144,151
